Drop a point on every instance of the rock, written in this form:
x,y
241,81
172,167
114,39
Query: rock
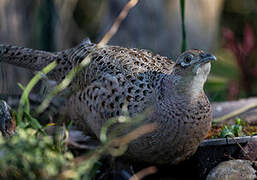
x,y
233,170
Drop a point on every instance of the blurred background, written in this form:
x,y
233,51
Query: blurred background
x,y
227,28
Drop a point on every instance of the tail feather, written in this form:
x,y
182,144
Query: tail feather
x,y
36,60
25,57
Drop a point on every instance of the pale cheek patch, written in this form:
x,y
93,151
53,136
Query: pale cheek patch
x,y
205,69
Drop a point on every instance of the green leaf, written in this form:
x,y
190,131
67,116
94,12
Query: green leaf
x,y
34,123
226,131
239,121
27,104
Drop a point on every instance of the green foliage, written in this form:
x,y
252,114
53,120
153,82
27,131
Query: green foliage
x,y
233,130
26,156
226,131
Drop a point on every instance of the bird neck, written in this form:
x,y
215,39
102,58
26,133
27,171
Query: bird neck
x,y
182,87
189,86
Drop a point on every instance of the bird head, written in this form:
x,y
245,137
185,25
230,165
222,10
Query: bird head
x,y
191,70
194,62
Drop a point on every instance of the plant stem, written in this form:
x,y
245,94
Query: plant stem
x,y
182,8
29,87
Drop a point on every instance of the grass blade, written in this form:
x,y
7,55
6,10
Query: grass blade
x,y
29,87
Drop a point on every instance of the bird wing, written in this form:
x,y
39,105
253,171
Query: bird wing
x,y
114,76
98,102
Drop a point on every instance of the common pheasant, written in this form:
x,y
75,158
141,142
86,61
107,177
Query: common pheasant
x,y
141,79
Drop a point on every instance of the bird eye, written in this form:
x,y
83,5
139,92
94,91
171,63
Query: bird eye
x,y
187,59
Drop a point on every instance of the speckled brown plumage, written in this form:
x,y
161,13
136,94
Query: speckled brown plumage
x,y
141,79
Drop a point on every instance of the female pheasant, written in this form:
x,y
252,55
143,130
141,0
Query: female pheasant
x,y
117,76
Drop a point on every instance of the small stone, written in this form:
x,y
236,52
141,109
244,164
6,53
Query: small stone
x,y
233,170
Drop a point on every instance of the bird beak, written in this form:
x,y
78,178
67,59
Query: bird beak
x,y
208,57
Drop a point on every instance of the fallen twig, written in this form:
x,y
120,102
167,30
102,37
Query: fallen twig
x,y
239,145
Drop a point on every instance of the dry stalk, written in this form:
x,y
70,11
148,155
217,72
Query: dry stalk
x,y
134,134
239,145
144,172
81,146
117,23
